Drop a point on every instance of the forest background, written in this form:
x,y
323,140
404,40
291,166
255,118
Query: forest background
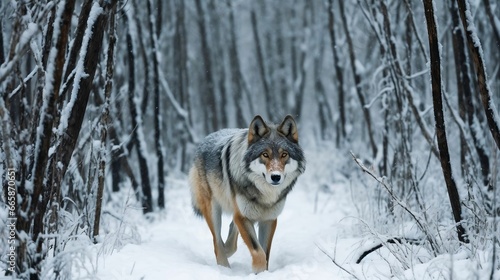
x,y
103,97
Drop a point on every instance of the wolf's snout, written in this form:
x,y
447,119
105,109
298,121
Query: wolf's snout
x,y
276,178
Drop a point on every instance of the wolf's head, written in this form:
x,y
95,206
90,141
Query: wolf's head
x,y
274,151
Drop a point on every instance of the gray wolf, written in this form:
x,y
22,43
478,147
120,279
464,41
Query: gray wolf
x,y
247,173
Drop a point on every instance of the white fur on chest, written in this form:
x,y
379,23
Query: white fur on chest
x,y
267,206
256,212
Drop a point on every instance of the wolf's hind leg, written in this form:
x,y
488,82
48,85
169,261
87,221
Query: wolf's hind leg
x,y
214,223
211,211
232,240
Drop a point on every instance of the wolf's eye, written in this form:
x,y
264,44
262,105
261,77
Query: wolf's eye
x,y
266,155
284,155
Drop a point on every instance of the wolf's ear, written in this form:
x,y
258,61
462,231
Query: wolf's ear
x,y
289,128
257,129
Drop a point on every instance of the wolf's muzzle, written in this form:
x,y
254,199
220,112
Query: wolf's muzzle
x,y
275,178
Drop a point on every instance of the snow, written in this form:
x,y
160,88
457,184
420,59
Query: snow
x,y
472,31
80,69
48,91
25,80
320,221
360,68
26,36
335,213
472,28
181,245
183,113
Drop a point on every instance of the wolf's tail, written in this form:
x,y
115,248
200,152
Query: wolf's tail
x,y
197,210
193,173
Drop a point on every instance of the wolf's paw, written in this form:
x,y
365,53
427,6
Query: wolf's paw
x,y
259,262
221,257
223,262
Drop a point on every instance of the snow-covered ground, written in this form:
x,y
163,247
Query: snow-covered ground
x,y
178,245
318,219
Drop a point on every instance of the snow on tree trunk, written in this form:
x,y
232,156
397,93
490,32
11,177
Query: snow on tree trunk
x,y
105,119
476,51
466,104
138,138
157,116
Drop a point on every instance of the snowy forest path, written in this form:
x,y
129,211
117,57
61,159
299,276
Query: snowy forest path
x,y
179,245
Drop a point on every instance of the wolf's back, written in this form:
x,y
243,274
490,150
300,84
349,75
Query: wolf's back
x,y
210,150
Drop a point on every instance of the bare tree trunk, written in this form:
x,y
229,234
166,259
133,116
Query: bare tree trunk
x,y
466,104
36,203
477,56
157,117
218,43
119,159
82,86
105,119
398,72
13,102
209,99
493,18
281,84
136,120
402,165
236,75
2,54
45,176
338,70
260,59
435,62
300,82
357,81
142,51
75,50
325,111
182,77
115,166
23,222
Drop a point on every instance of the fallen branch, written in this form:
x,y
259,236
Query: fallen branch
x,y
397,240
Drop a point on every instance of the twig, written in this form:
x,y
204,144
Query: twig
x,y
335,263
396,199
495,215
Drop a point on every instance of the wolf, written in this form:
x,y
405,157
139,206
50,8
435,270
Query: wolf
x,y
247,173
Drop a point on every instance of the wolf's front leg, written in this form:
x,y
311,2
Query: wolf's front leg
x,y
247,231
266,233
